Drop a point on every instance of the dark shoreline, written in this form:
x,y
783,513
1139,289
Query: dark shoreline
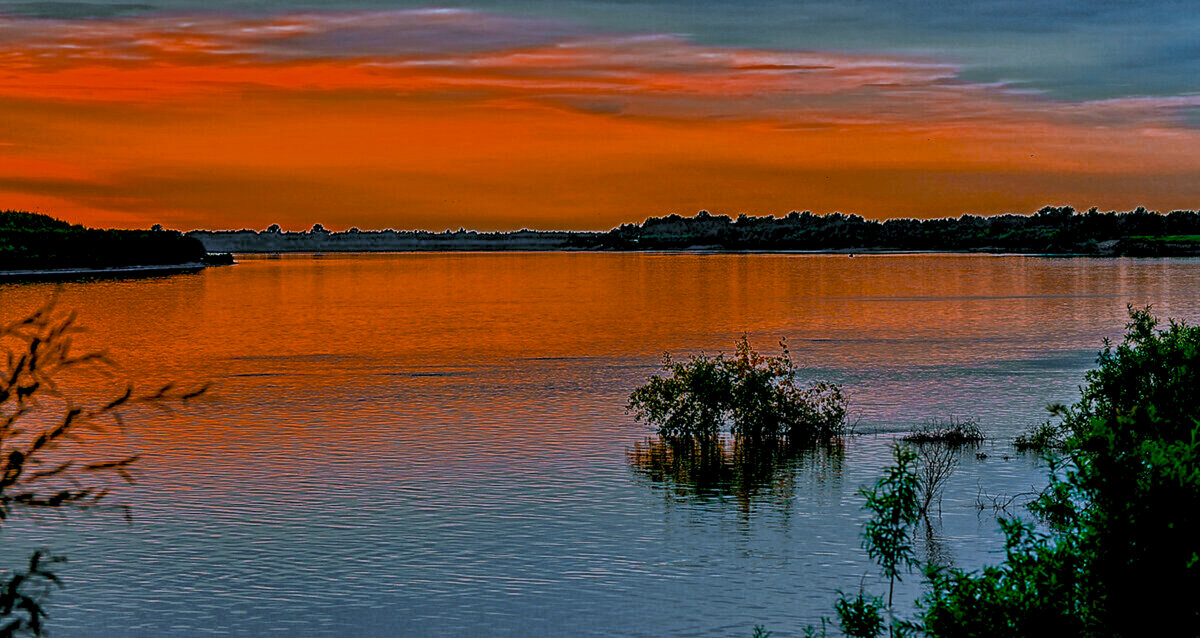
x,y
848,252
1050,231
119,272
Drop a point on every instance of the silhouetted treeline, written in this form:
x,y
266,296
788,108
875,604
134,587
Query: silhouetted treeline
x,y
29,241
1050,230
1055,230
319,239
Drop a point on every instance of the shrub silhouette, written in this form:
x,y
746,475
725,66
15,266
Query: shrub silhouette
x,y
32,241
43,437
757,397
952,432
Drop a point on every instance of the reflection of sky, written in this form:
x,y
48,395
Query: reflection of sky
x,y
437,444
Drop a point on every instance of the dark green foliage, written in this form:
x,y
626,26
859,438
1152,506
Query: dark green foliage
x,y
16,220
895,503
32,242
1034,592
861,616
953,432
692,402
757,397
1151,370
1124,511
1135,447
1050,230
1041,438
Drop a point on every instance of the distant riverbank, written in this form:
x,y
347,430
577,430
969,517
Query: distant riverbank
x,y
1050,231
35,246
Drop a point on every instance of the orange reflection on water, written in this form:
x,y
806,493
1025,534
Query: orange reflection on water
x,y
447,309
384,426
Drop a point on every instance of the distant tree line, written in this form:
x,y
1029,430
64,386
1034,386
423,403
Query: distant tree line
x,y
29,241
1049,230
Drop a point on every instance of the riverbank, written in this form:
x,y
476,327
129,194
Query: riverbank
x,y
33,245
1050,231
120,272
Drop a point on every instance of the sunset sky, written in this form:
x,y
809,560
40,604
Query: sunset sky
x,y
585,114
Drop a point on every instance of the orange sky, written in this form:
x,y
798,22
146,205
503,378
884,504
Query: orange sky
x,y
231,123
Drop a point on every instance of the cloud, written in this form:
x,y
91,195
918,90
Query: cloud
x,y
446,116
474,54
75,10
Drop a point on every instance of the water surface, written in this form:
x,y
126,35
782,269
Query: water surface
x,y
435,444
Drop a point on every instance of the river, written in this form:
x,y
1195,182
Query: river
x,y
436,444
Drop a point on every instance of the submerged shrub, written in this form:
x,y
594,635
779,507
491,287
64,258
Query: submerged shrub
x,y
756,397
935,465
950,432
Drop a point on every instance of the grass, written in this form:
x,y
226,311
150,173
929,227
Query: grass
x,y
953,432
1040,437
1168,238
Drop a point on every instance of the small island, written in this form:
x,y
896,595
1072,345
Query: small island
x,y
35,246
1051,230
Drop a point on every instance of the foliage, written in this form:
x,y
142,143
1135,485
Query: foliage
x,y
1124,512
29,241
16,220
955,432
895,504
1051,229
42,431
1041,438
861,616
758,397
1034,592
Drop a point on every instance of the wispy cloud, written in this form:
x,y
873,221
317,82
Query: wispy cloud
x,y
430,113
477,54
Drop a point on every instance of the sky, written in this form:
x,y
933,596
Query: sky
x,y
585,114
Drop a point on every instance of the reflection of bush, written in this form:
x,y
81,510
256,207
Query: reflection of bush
x,y
728,468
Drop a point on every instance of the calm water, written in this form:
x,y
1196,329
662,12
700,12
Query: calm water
x,y
436,444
